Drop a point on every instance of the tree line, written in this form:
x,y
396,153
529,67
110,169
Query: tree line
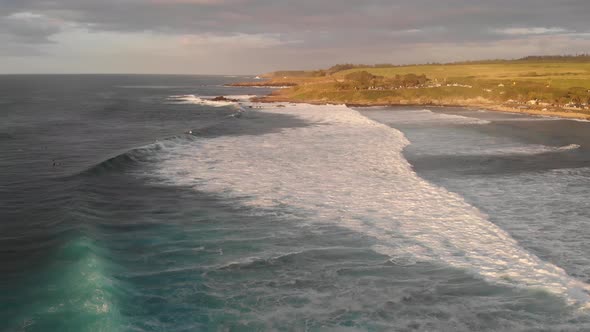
x,y
364,80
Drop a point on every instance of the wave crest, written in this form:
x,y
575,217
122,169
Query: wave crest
x,y
150,153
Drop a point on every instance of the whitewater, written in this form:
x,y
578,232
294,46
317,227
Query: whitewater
x,y
348,170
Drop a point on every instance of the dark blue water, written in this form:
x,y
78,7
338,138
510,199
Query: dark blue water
x,y
124,207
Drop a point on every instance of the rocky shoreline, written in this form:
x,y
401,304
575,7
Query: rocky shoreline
x,y
480,104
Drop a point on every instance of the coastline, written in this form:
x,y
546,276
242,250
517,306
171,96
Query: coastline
x,y
571,115
553,87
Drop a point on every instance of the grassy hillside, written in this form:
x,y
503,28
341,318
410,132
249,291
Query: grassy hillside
x,y
562,75
544,84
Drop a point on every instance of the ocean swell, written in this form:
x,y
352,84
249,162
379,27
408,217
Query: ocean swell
x,y
135,157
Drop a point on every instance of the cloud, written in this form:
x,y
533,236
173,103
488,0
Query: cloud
x,y
234,41
28,27
309,33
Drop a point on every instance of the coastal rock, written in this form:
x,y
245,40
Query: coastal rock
x,y
222,98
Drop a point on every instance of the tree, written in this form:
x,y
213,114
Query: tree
x,y
341,67
362,79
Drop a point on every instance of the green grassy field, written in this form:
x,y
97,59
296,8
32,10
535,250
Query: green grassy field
x,y
559,75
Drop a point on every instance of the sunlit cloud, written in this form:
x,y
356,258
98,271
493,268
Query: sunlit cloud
x,y
531,31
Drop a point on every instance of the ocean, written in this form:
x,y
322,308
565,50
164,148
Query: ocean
x,y
134,203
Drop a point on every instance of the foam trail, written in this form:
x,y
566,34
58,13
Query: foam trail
x,y
350,171
530,149
495,146
421,117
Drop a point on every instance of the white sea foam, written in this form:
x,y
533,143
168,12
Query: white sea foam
x,y
525,149
350,171
551,208
577,120
429,117
486,145
532,117
207,100
528,118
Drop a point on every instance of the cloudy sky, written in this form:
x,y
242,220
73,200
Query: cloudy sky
x,y
253,36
